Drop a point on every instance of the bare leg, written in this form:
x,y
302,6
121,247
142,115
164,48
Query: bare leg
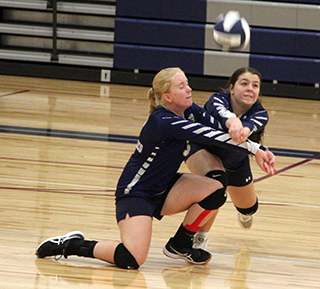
x,y
104,250
207,226
243,197
201,163
185,195
136,240
189,190
189,193
245,200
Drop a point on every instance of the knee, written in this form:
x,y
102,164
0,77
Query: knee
x,y
249,211
219,197
220,176
215,200
125,260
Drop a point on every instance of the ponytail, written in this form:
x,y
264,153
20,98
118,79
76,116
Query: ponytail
x,y
152,99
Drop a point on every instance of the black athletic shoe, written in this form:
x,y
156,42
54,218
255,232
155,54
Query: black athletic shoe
x,y
194,256
57,246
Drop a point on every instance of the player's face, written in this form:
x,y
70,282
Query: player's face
x,y
245,91
179,96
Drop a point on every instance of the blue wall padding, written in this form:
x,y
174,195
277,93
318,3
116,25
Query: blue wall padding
x,y
272,42
308,70
154,58
152,35
178,10
285,42
274,67
308,44
289,69
161,33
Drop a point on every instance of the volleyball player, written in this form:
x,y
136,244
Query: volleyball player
x,y
240,113
150,186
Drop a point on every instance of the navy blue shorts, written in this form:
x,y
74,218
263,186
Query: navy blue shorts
x,y
136,205
240,176
236,164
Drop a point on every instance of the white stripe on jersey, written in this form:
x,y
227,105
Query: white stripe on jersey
x,y
191,125
222,110
212,134
224,138
179,121
145,165
201,130
132,183
141,171
218,99
257,122
261,111
261,117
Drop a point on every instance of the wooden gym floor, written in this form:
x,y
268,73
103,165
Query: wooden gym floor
x,y
63,146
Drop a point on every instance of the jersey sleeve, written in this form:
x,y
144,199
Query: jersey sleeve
x,y
218,106
171,126
255,118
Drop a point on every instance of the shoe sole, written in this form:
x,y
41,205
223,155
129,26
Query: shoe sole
x,y
77,233
175,256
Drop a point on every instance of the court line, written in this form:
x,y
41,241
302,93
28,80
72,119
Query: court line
x,y
287,204
61,191
295,153
14,93
282,170
57,184
61,163
124,139
68,134
287,168
90,191
131,139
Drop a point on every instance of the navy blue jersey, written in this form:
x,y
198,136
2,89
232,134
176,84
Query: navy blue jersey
x,y
256,118
219,106
162,147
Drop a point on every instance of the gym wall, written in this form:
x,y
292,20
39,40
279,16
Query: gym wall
x,y
129,41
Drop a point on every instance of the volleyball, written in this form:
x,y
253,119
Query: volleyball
x,y
231,30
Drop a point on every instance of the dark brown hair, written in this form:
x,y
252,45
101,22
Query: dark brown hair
x,y
235,76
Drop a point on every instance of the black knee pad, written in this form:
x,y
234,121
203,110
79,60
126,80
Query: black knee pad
x,y
249,211
220,176
124,259
215,200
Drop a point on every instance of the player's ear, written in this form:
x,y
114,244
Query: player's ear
x,y
167,97
231,88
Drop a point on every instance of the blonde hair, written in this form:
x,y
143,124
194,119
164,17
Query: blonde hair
x,y
160,85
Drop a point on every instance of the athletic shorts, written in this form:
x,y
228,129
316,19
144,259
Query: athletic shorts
x,y
240,176
137,205
236,164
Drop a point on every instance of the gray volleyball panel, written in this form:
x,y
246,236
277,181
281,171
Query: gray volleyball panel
x,y
223,63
